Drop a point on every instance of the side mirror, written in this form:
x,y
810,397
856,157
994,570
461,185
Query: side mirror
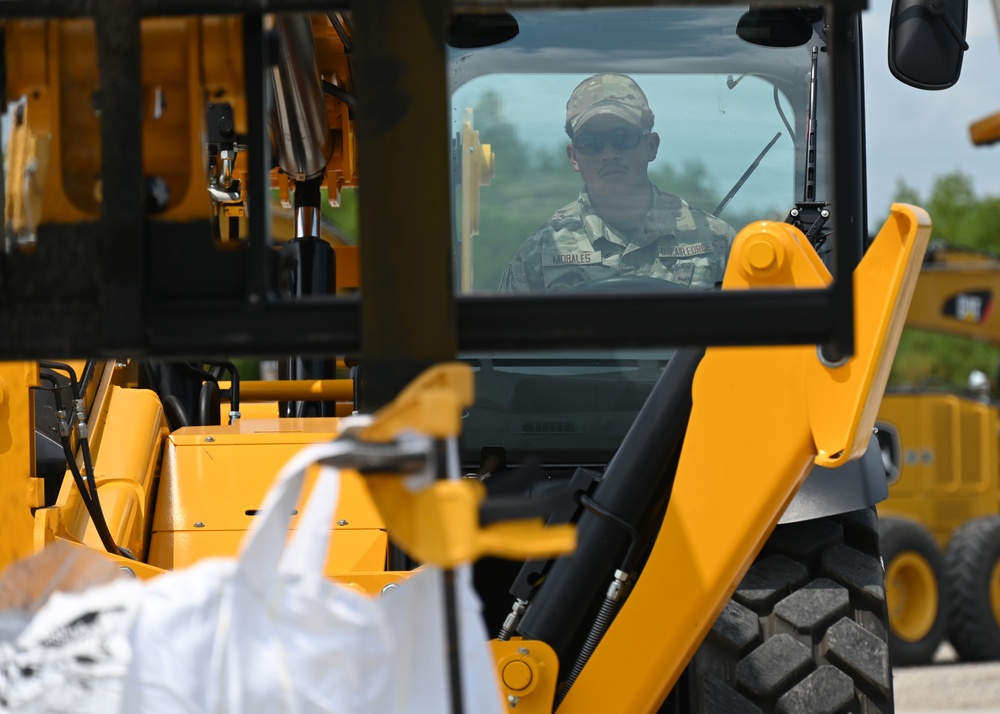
x,y
927,41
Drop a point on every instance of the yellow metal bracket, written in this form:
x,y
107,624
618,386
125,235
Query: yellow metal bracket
x,y
439,523
133,568
431,404
844,400
478,169
526,672
18,488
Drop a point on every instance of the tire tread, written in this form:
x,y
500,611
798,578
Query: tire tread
x,y
815,589
972,553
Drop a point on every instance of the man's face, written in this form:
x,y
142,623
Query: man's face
x,y
613,170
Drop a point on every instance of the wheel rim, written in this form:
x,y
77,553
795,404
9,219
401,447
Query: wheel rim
x,y
995,592
911,593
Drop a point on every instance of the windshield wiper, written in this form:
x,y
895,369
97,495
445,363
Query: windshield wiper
x,y
746,174
731,84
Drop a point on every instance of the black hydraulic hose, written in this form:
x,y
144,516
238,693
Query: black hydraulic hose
x,y
234,390
340,93
208,405
63,367
609,607
204,374
81,484
177,414
86,482
77,388
203,396
88,466
207,376
97,513
612,599
234,387
93,508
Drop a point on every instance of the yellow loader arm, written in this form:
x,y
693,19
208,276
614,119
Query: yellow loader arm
x,y
780,410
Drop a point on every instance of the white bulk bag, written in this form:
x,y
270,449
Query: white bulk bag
x,y
267,632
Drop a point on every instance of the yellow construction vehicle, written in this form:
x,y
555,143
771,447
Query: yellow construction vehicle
x,y
940,524
706,455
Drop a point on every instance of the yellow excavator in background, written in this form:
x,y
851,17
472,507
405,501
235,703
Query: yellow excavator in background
x,y
940,526
684,481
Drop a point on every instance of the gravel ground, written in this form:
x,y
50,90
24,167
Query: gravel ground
x,y
948,687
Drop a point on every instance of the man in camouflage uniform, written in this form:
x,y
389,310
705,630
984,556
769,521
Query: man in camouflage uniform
x,y
621,224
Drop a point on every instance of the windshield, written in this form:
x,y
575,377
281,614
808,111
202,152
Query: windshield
x,y
718,103
561,410
706,129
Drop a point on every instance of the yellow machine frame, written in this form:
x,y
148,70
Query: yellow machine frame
x,y
207,482
722,522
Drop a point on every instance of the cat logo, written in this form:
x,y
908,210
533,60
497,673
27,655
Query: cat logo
x,y
972,307
969,308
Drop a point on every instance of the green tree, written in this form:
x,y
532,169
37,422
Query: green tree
x,y
345,216
690,181
928,359
527,186
960,217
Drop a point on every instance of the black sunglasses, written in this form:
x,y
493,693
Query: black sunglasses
x,y
621,138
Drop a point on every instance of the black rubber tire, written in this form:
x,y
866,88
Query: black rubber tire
x,y
971,563
806,630
915,591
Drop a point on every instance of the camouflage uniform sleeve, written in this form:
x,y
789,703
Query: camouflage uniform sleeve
x,y
524,272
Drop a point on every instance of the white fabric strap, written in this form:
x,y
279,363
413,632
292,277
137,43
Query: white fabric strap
x,y
307,551
263,546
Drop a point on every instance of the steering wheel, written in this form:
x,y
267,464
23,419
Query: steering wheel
x,y
629,284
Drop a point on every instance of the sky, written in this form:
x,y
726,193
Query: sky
x,y
917,135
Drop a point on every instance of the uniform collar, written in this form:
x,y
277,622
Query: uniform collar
x,y
659,217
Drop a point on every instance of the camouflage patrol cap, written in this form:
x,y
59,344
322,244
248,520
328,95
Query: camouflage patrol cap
x,y
608,93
